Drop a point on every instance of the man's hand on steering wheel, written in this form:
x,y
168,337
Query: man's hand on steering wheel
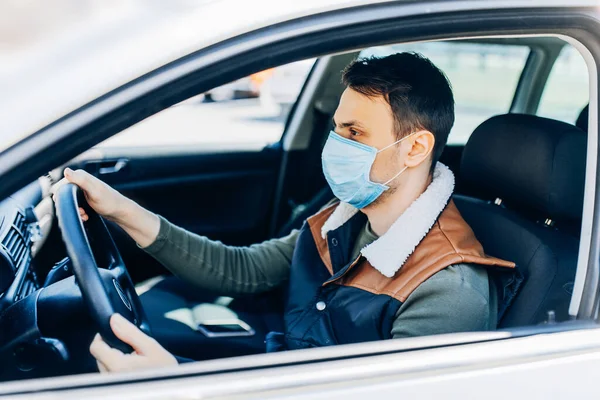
x,y
147,352
105,200
142,226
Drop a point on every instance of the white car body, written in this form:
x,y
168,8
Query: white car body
x,y
544,362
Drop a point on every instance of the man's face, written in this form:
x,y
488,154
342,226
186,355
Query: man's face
x,y
370,121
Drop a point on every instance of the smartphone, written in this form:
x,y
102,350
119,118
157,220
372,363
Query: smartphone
x,y
225,328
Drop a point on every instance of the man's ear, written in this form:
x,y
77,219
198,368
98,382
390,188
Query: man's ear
x,y
422,144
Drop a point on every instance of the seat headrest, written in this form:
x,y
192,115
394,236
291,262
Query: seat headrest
x,y
582,119
529,162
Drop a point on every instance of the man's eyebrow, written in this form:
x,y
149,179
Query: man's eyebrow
x,y
346,124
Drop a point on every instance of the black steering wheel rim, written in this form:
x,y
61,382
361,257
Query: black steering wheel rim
x,y
105,291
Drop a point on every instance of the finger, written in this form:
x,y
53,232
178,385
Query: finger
x,y
57,186
80,178
132,335
109,357
101,367
83,214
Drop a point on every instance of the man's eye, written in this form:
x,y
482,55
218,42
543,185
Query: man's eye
x,y
354,132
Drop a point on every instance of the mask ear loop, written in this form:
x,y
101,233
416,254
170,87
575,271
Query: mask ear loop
x,y
397,175
390,145
396,142
393,144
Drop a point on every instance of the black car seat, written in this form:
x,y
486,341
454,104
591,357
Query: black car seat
x,y
302,211
535,169
582,119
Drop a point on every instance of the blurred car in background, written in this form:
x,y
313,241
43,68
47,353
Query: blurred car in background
x,y
281,88
245,88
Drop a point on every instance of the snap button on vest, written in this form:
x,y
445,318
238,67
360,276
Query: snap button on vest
x,y
321,305
334,242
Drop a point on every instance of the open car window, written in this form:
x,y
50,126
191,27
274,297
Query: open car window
x,y
567,90
249,113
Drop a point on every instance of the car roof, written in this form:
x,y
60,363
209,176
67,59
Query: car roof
x,y
61,73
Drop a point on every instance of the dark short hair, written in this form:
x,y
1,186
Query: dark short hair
x,y
418,92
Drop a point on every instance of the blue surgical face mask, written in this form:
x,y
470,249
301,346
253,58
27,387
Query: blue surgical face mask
x,y
347,168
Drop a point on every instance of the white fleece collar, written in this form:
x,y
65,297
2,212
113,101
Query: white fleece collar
x,y
388,253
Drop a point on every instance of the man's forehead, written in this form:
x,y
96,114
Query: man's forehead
x,y
355,106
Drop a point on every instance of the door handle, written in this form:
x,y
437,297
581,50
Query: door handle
x,y
116,166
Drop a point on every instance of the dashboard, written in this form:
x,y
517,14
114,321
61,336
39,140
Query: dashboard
x,y
39,297
26,218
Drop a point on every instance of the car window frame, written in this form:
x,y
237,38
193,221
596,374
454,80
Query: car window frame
x,y
534,78
25,150
547,80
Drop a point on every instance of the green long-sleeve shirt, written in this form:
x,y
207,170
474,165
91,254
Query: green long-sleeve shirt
x,y
456,299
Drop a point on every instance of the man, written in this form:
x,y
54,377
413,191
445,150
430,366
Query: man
x,y
392,259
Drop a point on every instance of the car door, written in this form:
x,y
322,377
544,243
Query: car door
x,y
542,361
208,166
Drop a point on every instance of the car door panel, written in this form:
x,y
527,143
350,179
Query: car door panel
x,y
225,196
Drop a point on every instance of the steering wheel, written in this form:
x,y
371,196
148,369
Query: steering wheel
x,y
106,290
